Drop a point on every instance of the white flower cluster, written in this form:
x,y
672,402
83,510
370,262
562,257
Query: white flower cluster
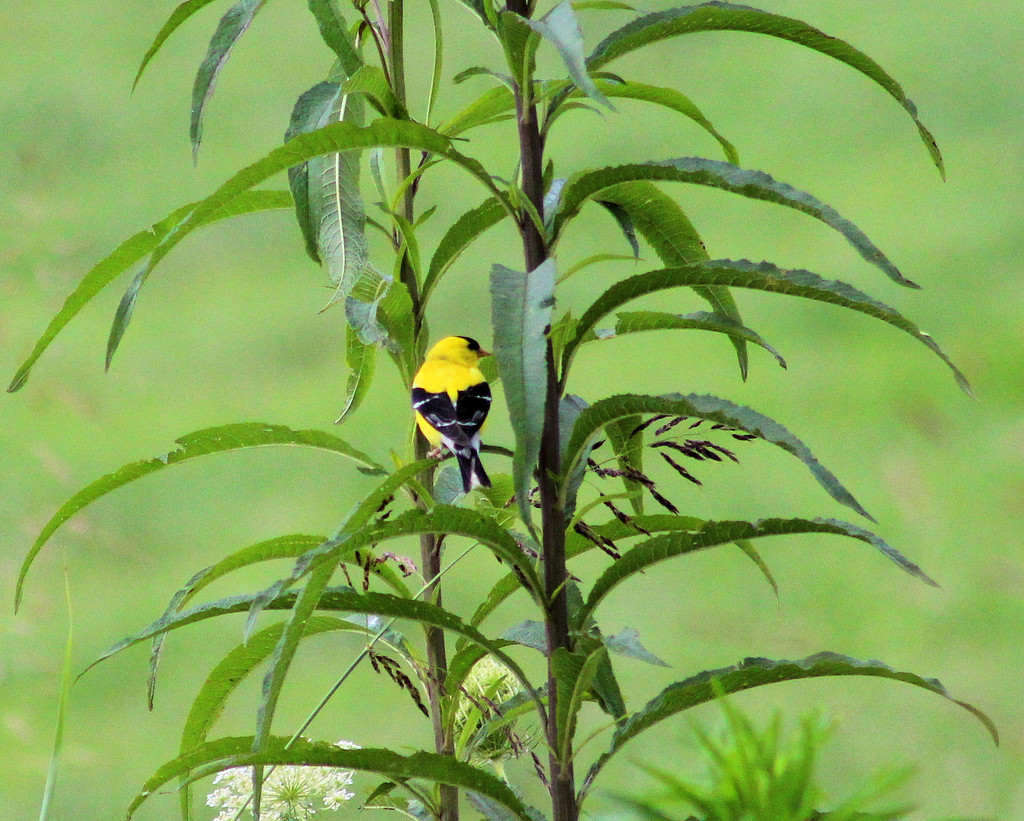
x,y
290,793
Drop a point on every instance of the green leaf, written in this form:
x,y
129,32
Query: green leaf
x,y
230,28
361,360
336,206
761,276
629,453
573,676
717,174
334,31
327,140
178,16
223,753
372,83
561,28
239,436
666,97
632,322
721,16
711,534
395,314
521,306
594,418
569,408
494,105
438,62
751,553
233,669
756,672
280,661
130,252
63,699
309,110
627,643
519,42
282,547
667,230
458,238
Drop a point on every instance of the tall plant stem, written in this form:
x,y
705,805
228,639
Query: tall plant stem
x,y
531,156
430,545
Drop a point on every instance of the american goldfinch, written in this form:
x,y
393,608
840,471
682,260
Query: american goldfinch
x,y
451,399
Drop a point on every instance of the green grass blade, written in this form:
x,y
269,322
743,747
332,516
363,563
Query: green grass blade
x,y
521,307
63,700
723,16
239,436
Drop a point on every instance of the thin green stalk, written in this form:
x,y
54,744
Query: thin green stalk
x,y
66,680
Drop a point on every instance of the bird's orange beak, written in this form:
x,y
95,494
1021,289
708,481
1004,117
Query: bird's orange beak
x,y
482,353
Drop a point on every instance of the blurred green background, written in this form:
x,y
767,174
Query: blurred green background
x,y
228,330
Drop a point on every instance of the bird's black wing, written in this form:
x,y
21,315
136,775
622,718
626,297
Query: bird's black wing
x,y
440,413
472,407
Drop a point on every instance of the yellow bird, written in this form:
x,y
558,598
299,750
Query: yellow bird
x,y
451,399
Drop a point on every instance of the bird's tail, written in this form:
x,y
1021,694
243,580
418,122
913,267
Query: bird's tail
x,y
472,469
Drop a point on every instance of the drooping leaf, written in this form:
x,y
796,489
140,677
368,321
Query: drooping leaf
x,y
561,28
361,360
748,550
756,672
665,227
722,16
335,33
631,322
521,306
327,140
131,251
627,643
230,28
761,276
594,418
180,14
307,115
214,756
728,177
669,545
665,97
220,439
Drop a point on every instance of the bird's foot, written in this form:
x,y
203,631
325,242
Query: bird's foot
x,y
435,453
